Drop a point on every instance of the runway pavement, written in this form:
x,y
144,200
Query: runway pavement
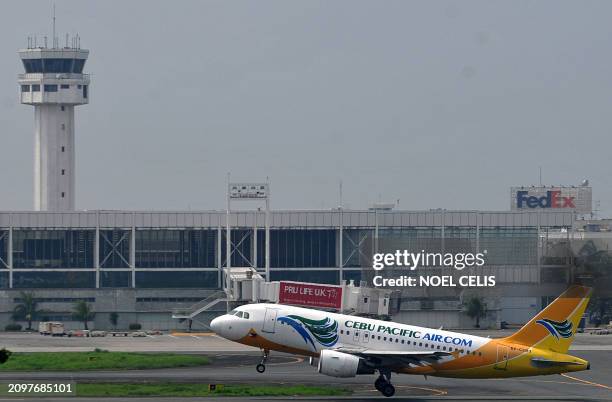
x,y
228,368
234,363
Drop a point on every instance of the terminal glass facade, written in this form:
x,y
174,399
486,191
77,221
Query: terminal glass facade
x,y
510,246
161,248
115,248
68,280
63,248
295,248
183,279
185,250
4,248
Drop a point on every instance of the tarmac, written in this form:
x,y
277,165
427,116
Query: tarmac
x,y
234,363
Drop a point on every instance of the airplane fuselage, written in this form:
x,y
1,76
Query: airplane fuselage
x,y
307,332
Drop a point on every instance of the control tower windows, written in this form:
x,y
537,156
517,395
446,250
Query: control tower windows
x,y
25,88
33,65
54,65
50,88
78,66
36,88
57,65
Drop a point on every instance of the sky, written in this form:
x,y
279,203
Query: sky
x,y
431,104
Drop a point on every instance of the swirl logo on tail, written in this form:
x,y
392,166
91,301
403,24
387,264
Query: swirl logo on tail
x,y
324,331
558,329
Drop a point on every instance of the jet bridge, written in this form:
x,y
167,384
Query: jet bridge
x,y
246,285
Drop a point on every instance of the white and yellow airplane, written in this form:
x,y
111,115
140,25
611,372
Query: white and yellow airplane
x,y
346,346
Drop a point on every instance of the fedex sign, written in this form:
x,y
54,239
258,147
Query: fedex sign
x,y
563,198
552,199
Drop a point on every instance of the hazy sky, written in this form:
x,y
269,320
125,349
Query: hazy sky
x,y
438,104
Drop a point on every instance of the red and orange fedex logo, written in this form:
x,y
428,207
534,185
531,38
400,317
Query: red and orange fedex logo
x,y
552,199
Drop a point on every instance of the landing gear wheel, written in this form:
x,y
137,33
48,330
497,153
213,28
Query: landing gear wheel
x,y
261,367
388,390
378,384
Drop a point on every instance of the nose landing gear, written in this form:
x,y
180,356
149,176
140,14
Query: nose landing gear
x,y
261,367
383,384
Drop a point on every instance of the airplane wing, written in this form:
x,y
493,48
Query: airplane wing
x,y
393,357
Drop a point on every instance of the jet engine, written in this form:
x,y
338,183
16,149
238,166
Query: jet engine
x,y
338,364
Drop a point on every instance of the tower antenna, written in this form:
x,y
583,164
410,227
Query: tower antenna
x,y
540,169
54,39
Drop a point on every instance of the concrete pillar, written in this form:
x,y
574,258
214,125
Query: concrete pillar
x,y
133,254
10,256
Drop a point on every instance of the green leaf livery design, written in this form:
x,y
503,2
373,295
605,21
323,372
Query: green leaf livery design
x,y
557,328
324,331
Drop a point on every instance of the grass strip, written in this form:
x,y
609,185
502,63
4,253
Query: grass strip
x,y
196,389
101,360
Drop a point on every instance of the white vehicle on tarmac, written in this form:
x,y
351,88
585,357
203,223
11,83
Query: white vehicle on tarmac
x,y
51,328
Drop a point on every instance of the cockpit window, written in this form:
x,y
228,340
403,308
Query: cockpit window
x,y
239,314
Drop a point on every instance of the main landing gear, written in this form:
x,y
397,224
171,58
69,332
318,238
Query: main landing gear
x,y
261,367
383,384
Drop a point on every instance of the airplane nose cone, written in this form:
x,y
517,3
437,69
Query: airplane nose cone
x,y
215,325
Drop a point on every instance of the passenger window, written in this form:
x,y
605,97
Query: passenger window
x,y
348,332
402,341
385,338
379,337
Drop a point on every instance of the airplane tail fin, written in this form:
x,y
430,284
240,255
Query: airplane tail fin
x,y
554,327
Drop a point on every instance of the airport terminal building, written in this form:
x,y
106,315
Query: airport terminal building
x,y
142,264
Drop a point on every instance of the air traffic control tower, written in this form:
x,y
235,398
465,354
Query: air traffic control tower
x,y
54,84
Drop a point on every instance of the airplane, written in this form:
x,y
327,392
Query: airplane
x,y
347,346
